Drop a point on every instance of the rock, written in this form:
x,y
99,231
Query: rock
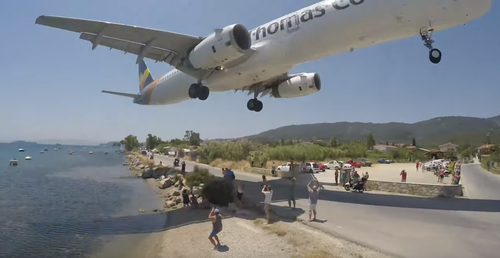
x,y
175,192
170,204
196,190
178,199
176,184
165,183
147,174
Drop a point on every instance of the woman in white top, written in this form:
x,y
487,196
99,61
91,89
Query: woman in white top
x,y
268,196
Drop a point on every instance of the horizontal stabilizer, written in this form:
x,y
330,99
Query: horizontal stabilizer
x,y
130,95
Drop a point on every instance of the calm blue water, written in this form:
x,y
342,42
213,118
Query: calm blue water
x,y
60,205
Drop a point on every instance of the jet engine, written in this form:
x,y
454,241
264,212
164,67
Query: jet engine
x,y
221,47
298,86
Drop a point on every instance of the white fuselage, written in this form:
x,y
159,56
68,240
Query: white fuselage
x,y
324,29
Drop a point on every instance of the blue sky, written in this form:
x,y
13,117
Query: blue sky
x,y
51,80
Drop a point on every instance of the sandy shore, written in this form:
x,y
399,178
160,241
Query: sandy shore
x,y
186,235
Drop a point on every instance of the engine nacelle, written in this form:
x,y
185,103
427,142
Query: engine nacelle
x,y
298,86
221,47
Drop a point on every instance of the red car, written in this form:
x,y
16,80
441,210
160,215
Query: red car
x,y
354,163
320,166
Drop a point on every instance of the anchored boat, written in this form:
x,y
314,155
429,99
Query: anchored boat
x,y
13,162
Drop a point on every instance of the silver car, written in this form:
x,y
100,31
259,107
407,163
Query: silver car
x,y
310,167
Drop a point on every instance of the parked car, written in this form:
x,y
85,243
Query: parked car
x,y
354,163
310,167
337,165
333,164
321,167
365,163
385,161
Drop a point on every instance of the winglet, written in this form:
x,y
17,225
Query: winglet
x,y
37,21
217,31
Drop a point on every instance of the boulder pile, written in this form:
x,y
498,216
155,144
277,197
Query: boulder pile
x,y
174,197
136,164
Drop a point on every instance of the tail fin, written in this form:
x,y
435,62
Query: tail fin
x,y
145,77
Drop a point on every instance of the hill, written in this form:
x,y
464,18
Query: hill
x,y
432,132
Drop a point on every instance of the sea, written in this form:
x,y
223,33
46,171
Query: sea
x,y
81,205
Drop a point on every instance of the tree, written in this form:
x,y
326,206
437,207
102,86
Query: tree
x,y
413,142
192,138
334,142
130,142
370,141
152,141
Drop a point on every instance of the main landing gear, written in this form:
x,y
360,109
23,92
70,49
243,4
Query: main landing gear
x,y
198,91
434,53
255,104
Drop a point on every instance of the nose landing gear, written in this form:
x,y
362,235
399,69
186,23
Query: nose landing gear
x,y
199,91
434,53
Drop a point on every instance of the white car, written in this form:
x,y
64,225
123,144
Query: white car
x,y
337,165
284,167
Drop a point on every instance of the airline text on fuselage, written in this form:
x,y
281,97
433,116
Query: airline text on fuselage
x,y
291,23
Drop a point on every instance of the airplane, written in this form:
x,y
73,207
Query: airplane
x,y
257,61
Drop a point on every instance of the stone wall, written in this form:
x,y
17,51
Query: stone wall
x,y
261,171
428,190
267,172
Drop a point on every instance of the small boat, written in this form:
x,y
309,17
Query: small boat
x,y
56,149
45,149
71,152
21,150
27,158
13,162
42,152
90,152
106,152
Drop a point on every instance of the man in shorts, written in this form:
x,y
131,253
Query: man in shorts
x,y
291,193
313,188
216,219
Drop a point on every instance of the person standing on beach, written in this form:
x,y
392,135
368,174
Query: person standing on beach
x,y
216,219
273,169
183,167
337,176
291,193
312,187
268,196
239,194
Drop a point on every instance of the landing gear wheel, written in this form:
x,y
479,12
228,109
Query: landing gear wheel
x,y
435,56
194,91
259,105
204,92
255,105
434,53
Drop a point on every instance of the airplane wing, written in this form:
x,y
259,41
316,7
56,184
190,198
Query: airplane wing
x,y
158,45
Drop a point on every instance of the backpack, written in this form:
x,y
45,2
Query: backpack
x,y
232,175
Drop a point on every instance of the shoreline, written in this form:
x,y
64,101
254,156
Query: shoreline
x,y
136,245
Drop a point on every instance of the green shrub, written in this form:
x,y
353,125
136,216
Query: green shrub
x,y
218,192
451,166
199,176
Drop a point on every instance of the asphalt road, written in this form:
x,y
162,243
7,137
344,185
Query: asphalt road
x,y
405,226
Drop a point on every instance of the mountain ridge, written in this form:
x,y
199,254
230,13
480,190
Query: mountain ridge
x,y
431,132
